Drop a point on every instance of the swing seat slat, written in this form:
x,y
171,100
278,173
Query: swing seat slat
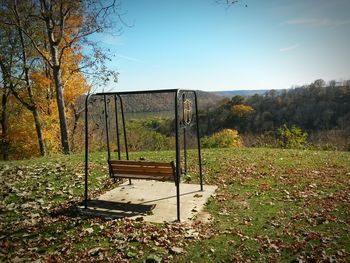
x,y
142,170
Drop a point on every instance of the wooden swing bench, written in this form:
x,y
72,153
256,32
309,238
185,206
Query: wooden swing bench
x,y
144,170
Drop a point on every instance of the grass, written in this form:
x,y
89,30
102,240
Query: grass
x,y
278,205
271,205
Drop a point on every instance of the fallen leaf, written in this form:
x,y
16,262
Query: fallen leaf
x,y
176,250
90,230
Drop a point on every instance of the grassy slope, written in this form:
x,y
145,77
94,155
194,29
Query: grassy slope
x,y
272,205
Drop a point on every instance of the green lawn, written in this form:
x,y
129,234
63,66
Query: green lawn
x,y
271,205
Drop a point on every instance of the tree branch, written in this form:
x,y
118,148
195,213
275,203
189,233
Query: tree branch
x,y
35,45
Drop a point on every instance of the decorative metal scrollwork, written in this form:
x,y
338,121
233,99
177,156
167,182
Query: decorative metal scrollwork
x,y
187,111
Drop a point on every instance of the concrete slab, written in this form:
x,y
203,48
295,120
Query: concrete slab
x,y
154,201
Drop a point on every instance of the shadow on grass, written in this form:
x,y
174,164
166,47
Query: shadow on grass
x,y
105,209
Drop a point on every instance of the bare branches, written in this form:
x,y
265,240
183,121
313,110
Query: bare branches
x,y
105,9
11,85
229,3
22,29
53,27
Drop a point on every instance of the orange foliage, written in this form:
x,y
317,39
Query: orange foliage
x,y
75,85
23,137
41,81
22,134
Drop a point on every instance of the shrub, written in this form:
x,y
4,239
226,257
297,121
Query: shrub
x,y
226,138
292,137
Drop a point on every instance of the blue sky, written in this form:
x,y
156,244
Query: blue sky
x,y
198,44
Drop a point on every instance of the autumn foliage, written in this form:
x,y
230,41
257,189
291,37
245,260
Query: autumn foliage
x,y
22,134
41,57
226,138
242,110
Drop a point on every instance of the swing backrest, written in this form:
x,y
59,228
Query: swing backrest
x,y
142,170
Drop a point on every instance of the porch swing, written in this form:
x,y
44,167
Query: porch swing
x,y
147,170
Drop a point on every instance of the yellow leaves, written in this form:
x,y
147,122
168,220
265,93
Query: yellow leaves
x,y
225,138
22,133
39,93
242,110
74,23
23,138
75,86
75,83
41,81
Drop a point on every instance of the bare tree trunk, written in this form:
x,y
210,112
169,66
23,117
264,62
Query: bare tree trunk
x,y
33,107
61,107
49,93
4,139
56,72
39,132
4,128
77,114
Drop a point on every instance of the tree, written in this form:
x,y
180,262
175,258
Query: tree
x,y
319,83
242,111
292,137
16,65
4,139
62,25
5,54
237,100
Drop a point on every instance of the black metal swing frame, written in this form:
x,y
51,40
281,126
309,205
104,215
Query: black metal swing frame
x,y
179,96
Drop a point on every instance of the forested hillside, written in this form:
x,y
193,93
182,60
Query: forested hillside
x,y
314,108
